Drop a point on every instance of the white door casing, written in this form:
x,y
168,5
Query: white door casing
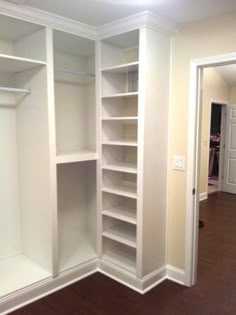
x,y
229,180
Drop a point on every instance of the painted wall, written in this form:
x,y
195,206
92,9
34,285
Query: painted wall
x,y
206,38
214,89
232,96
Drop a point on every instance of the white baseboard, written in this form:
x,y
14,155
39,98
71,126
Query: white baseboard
x,y
130,280
46,287
175,274
203,196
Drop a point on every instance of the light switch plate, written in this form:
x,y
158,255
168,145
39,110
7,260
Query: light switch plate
x,y
179,163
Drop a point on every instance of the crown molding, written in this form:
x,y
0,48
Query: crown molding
x,y
45,18
130,23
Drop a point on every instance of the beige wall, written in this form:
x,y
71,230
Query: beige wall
x,y
214,89
232,97
207,38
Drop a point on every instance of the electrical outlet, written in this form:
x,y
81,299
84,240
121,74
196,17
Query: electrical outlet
x,y
179,163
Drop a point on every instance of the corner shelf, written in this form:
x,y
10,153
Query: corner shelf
x,y
123,68
81,156
122,234
121,213
12,64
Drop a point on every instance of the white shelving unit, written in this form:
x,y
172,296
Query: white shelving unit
x,y
25,249
83,155
134,154
74,60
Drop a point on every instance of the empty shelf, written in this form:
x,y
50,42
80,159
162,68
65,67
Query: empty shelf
x,y
128,94
131,143
121,167
124,260
123,68
130,120
124,190
12,64
121,213
123,234
18,272
76,157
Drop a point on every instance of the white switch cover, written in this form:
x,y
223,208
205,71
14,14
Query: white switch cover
x,y
179,163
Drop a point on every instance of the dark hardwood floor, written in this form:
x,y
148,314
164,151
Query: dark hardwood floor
x,y
214,293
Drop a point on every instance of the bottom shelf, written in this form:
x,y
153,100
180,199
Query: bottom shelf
x,y
71,256
18,272
120,255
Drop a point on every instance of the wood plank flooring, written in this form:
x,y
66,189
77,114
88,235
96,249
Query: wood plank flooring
x,y
214,293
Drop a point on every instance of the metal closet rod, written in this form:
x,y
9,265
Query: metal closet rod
x,y
9,89
75,72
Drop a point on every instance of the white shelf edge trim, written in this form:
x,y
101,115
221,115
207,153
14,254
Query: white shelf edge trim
x,y
122,217
15,90
128,94
79,73
119,192
39,62
76,157
132,65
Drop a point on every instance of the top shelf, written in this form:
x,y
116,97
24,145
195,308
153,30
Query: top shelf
x,y
12,64
124,68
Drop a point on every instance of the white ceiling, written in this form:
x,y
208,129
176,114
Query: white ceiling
x,y
228,73
99,12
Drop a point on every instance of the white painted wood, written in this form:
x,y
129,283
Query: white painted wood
x,y
77,213
154,194
44,18
128,94
124,68
121,213
122,119
18,272
175,274
75,99
120,143
33,167
203,196
46,287
121,167
121,256
123,233
52,150
123,190
229,181
76,157
11,64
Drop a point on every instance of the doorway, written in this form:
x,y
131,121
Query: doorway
x,y
194,149
216,141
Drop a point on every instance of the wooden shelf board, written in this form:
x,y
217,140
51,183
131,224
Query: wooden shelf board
x,y
130,143
128,94
122,234
121,167
123,68
81,156
126,262
126,191
121,213
18,272
12,64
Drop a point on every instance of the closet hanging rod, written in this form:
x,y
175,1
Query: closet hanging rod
x,y
8,89
75,72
